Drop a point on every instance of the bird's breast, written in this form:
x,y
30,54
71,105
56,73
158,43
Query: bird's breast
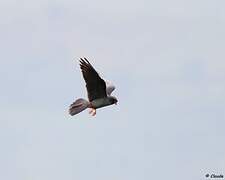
x,y
98,103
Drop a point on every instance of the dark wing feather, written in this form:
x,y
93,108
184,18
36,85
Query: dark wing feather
x,y
95,85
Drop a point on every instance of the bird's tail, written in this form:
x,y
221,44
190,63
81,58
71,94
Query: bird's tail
x,y
78,106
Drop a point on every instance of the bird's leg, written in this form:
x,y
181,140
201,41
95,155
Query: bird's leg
x,y
91,111
94,112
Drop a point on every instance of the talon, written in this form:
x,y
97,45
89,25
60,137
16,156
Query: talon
x,y
91,111
94,112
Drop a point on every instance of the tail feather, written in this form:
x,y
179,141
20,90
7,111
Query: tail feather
x,y
78,106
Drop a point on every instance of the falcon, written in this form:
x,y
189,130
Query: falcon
x,y
99,91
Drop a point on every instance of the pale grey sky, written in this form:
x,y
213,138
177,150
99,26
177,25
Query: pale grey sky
x,y
167,60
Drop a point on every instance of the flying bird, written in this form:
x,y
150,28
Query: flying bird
x,y
98,90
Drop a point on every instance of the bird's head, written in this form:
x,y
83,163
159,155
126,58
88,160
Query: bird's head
x,y
113,100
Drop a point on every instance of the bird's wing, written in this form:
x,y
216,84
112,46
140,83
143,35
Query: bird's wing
x,y
109,88
96,87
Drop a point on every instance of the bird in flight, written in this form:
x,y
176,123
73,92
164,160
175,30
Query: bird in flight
x,y
98,90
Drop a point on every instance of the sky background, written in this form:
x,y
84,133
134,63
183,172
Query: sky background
x,y
167,60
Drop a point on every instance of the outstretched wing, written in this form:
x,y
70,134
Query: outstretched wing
x,y
109,88
96,87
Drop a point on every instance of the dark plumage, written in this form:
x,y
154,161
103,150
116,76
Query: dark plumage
x,y
95,85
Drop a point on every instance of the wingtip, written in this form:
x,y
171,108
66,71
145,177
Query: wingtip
x,y
81,60
86,60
